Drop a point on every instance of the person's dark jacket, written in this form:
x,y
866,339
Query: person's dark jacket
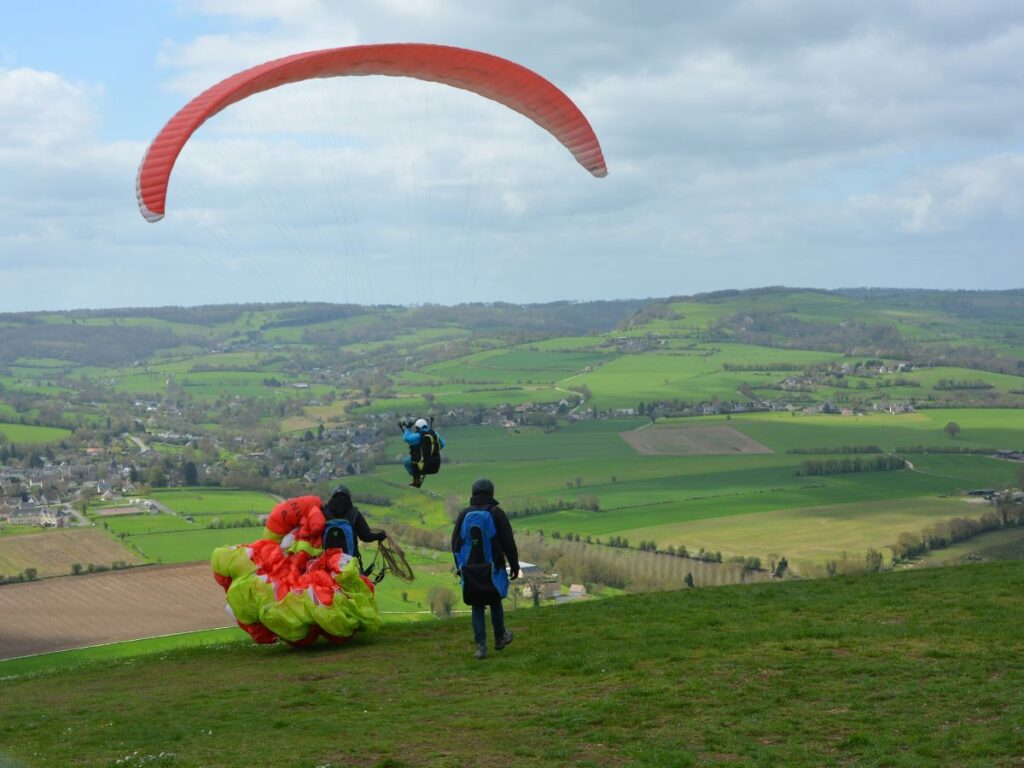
x,y
503,546
340,507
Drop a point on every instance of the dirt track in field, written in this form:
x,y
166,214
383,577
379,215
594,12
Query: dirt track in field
x,y
81,611
691,441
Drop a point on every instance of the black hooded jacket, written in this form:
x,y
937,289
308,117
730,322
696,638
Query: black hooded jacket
x,y
340,507
504,544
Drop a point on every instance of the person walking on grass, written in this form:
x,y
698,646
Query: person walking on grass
x,y
482,540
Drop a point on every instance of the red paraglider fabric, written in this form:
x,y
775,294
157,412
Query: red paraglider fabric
x,y
285,586
490,76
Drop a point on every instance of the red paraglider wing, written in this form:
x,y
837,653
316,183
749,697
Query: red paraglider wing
x,y
495,78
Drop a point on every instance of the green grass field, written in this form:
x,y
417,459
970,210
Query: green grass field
x,y
169,538
982,547
902,670
691,500
26,434
980,428
190,546
808,536
517,365
214,501
692,376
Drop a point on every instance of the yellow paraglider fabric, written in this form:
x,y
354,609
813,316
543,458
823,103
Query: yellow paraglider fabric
x,y
286,587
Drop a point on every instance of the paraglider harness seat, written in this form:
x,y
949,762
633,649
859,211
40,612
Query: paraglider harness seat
x,y
426,454
339,533
483,583
429,453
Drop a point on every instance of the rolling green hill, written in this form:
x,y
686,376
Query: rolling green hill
x,y
243,385
900,669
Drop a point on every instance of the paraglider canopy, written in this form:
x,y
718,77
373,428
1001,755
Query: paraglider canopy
x,y
493,77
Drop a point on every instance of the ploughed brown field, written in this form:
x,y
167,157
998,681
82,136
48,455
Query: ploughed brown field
x,y
691,441
52,553
82,611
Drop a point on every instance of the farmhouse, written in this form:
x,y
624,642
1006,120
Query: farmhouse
x,y
33,514
547,586
893,407
1009,455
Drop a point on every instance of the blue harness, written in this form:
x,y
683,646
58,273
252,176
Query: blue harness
x,y
338,533
475,551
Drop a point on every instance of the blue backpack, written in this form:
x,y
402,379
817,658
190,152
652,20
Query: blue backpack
x,y
338,533
483,583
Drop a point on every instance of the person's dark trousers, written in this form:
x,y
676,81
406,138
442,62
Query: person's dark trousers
x,y
497,622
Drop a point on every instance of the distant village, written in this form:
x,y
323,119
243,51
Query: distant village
x,y
155,449
48,491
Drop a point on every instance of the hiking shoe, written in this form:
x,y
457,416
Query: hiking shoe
x,y
502,641
481,651
416,482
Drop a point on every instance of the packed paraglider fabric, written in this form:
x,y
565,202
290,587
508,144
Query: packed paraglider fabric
x,y
285,586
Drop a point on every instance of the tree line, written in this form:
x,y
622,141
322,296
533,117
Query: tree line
x,y
77,569
818,467
838,449
540,505
963,384
1007,514
595,564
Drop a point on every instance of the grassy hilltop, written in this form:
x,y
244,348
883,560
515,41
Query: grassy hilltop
x,y
900,669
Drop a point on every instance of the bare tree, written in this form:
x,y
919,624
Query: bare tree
x,y
535,583
453,506
441,601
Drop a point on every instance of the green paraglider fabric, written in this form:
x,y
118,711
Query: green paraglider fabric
x,y
295,591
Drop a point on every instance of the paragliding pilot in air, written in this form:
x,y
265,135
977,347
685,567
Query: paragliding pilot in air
x,y
424,449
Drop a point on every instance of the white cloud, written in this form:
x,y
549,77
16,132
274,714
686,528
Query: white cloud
x,y
750,142
41,110
982,193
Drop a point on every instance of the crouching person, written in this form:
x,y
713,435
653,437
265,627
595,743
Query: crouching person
x,y
481,542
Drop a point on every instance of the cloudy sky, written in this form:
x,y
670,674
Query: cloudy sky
x,y
750,143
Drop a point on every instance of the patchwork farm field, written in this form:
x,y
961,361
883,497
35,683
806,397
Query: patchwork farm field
x,y
979,429
693,375
463,395
992,545
207,385
169,538
580,440
667,499
118,606
680,367
737,485
518,365
214,501
80,611
685,440
27,434
809,536
177,546
670,501
54,552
